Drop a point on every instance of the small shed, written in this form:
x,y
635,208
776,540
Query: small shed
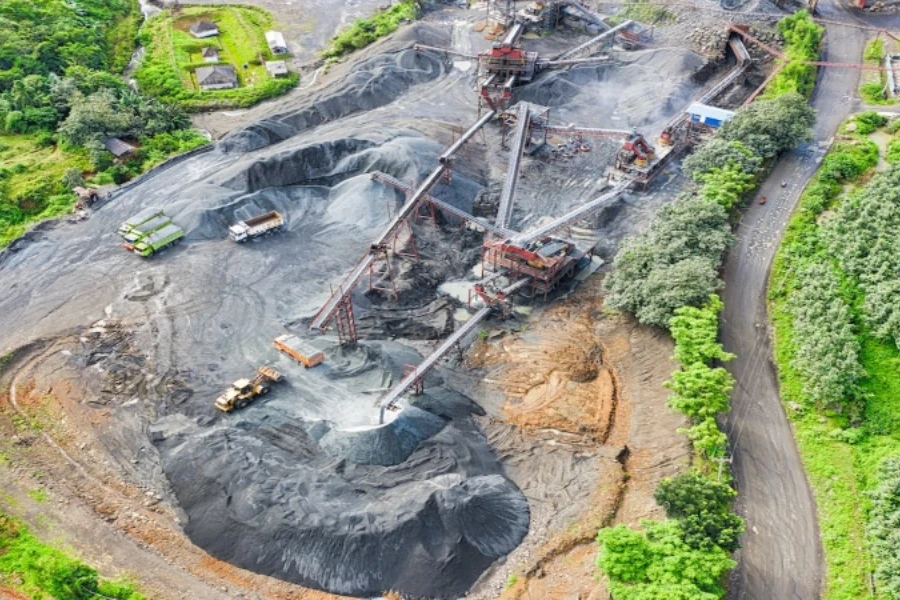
x,y
709,115
204,29
210,54
277,68
119,148
276,42
220,77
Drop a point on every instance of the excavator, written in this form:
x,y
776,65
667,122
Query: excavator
x,y
244,391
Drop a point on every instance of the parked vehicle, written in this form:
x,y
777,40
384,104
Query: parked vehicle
x,y
255,227
299,350
159,240
139,219
146,228
244,391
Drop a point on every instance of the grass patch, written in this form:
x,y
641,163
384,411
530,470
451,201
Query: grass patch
x,y
643,12
31,187
122,37
874,85
173,55
365,31
840,459
42,571
38,494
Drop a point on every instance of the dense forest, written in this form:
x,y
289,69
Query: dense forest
x,y
61,88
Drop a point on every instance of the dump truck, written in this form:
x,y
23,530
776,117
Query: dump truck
x,y
144,229
158,240
139,219
244,391
244,230
299,350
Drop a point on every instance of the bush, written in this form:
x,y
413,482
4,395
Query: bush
x,y
884,525
802,38
656,563
365,31
703,509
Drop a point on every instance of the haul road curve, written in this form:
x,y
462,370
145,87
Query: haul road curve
x,y
781,555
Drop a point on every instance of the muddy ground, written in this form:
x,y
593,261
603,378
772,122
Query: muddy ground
x,y
111,393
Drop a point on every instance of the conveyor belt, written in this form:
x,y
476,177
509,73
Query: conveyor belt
x,y
504,211
429,361
592,42
571,217
327,311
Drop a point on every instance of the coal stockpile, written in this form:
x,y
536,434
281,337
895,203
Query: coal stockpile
x,y
268,497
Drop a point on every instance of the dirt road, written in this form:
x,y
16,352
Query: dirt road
x,y
782,554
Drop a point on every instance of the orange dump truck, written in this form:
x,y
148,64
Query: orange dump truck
x,y
299,350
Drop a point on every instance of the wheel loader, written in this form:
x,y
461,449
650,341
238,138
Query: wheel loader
x,y
244,391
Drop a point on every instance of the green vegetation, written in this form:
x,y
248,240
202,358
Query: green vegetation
x,y
31,185
173,54
845,411
61,98
676,262
699,391
38,494
872,90
882,532
657,563
42,571
667,277
802,37
365,31
687,556
643,12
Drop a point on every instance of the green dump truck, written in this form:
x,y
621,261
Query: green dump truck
x,y
144,229
158,240
139,219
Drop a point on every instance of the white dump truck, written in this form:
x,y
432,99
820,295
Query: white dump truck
x,y
255,227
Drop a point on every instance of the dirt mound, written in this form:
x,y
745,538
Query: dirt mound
x,y
564,383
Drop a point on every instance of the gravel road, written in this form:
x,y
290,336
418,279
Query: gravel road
x,y
782,553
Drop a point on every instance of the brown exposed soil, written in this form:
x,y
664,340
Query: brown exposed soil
x,y
597,378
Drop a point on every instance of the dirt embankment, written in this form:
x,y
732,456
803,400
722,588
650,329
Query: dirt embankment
x,y
582,382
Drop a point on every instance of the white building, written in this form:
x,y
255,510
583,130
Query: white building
x,y
276,68
276,42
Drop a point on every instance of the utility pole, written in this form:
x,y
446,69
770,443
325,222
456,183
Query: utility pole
x,y
722,460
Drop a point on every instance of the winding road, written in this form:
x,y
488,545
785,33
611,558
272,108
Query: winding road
x,y
781,557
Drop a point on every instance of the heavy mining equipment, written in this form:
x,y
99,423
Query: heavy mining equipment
x,y
244,391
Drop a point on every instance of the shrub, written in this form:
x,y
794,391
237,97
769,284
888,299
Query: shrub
x,y
703,508
656,563
365,31
884,525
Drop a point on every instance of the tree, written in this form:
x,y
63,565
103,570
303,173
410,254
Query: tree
x,y
668,287
718,153
95,117
656,564
703,509
73,178
700,392
695,331
883,531
725,185
707,438
671,265
769,127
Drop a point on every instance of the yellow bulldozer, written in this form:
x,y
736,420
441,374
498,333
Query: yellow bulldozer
x,y
244,391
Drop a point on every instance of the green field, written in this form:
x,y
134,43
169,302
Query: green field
x,y
841,448
173,55
43,571
31,187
